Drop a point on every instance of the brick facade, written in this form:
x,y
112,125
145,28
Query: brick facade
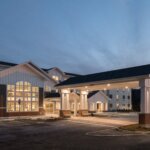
x,y
144,118
65,113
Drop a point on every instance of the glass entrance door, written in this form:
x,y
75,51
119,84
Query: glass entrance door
x,y
99,107
49,108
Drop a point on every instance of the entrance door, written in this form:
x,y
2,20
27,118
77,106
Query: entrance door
x,y
49,108
99,107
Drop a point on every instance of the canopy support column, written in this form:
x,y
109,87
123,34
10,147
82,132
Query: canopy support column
x,y
65,103
83,103
144,116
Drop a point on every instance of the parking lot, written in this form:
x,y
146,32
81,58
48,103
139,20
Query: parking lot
x,y
89,133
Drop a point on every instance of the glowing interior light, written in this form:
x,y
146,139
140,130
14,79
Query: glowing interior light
x,y
108,84
126,87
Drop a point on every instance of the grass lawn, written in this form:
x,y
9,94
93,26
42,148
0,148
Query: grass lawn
x,y
134,127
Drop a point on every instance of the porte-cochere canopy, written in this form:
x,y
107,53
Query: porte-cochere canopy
x,y
133,77
128,76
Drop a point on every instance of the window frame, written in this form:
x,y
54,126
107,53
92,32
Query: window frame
x,y
26,88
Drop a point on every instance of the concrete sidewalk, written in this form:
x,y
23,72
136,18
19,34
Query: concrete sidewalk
x,y
105,121
43,117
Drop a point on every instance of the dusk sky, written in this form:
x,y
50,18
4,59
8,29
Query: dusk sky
x,y
79,36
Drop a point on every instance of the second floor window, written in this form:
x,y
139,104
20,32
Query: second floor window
x,y
47,88
56,78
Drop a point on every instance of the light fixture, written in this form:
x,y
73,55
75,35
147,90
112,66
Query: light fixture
x,y
108,84
86,87
126,87
105,89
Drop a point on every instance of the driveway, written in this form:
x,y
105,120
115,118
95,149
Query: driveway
x,y
69,134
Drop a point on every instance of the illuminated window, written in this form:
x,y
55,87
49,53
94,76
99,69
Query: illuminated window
x,y
55,78
47,88
117,105
57,105
22,97
117,96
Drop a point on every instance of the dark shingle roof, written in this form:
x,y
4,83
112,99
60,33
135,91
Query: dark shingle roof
x,y
44,69
7,63
52,95
72,74
109,75
92,93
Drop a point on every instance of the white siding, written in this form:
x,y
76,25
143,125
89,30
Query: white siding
x,y
120,102
97,98
2,67
55,72
21,73
50,85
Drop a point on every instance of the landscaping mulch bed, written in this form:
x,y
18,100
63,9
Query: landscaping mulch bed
x,y
134,127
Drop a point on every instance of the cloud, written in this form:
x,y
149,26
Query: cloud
x,y
77,36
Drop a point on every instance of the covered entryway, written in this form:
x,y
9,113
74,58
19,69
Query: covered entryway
x,y
135,77
52,104
101,107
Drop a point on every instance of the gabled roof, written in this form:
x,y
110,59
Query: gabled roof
x,y
34,68
95,92
64,73
41,71
109,75
9,64
92,93
56,68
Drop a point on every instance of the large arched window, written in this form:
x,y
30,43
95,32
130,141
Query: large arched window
x,y
22,97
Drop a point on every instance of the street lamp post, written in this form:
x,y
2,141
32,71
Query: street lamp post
x,y
19,102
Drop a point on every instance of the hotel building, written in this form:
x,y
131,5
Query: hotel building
x,y
26,89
